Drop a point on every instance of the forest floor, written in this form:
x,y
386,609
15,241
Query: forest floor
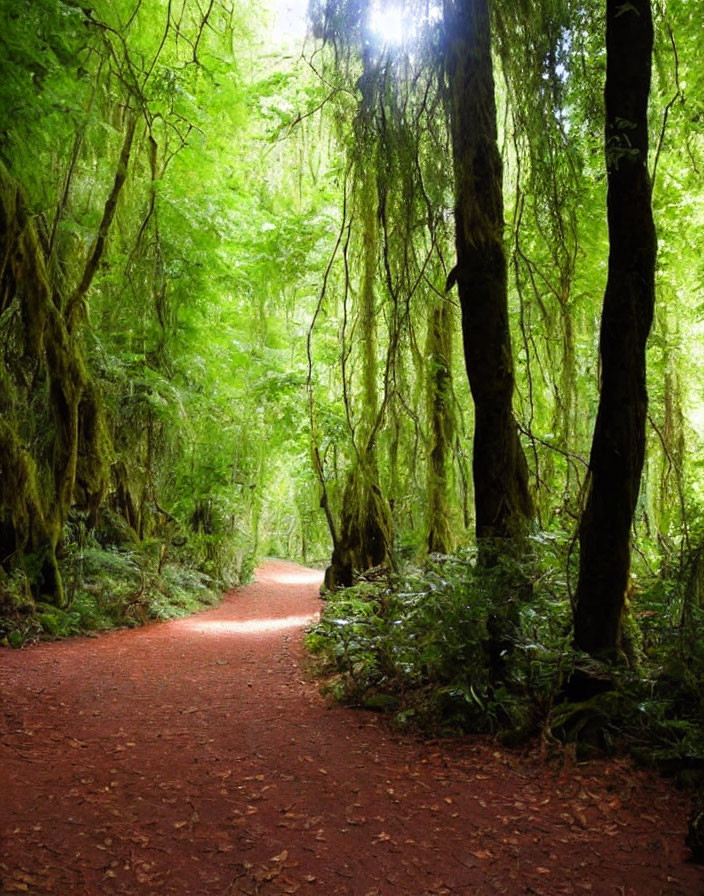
x,y
198,758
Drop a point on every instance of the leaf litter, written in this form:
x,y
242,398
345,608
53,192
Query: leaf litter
x,y
212,765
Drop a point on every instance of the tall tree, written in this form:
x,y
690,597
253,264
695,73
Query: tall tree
x,y
618,446
502,498
365,533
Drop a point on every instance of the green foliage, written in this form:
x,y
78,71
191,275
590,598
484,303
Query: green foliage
x,y
18,622
109,587
238,237
419,645
196,286
426,638
670,684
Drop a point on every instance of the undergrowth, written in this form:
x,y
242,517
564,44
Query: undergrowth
x,y
107,587
422,645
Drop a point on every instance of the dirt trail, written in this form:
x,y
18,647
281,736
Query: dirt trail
x,y
196,758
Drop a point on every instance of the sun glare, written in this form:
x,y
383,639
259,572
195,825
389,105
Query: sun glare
x,y
389,23
395,23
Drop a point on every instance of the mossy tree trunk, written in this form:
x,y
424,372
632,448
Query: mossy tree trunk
x,y
503,502
440,416
618,446
35,502
24,526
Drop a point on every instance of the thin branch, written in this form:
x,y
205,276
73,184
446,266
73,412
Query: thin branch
x,y
203,24
75,302
570,456
303,115
317,462
668,107
133,15
164,36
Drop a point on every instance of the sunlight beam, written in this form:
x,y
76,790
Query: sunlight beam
x,y
291,576
249,626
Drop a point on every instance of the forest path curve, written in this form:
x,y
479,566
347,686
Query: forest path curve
x,y
196,758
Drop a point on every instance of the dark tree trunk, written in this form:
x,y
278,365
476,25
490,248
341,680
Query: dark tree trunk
x,y
618,446
502,498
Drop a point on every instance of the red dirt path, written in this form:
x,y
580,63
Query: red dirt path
x,y
196,758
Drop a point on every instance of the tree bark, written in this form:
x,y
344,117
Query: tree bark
x,y
503,502
618,445
439,401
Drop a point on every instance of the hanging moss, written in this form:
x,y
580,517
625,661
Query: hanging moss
x,y
21,505
368,331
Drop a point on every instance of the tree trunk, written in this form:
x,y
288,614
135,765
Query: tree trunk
x,y
503,502
439,400
618,446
